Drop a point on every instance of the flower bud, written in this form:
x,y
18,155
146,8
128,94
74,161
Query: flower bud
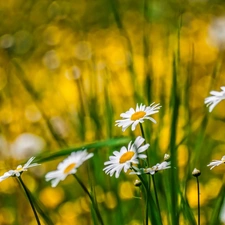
x,y
196,172
137,183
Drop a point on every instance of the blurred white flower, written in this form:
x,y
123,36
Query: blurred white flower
x,y
126,157
134,117
215,163
32,113
59,126
217,32
73,73
67,167
83,50
51,60
27,144
6,41
216,97
19,170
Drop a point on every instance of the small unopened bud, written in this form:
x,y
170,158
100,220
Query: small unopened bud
x,y
137,183
196,172
166,157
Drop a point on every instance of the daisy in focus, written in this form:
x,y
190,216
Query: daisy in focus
x,y
68,166
216,97
133,117
124,159
215,163
19,170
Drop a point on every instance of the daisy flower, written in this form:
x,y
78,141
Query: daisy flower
x,y
68,166
152,170
134,117
19,170
216,97
126,157
215,163
159,166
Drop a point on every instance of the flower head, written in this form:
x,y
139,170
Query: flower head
x,y
19,170
196,172
134,117
216,97
126,157
152,170
215,163
68,166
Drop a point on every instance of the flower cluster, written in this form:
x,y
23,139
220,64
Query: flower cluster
x,y
212,101
127,158
68,166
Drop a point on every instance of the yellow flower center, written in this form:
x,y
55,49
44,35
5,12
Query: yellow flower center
x,y
19,168
69,168
138,115
126,156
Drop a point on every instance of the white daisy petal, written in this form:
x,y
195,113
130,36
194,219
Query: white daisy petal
x,y
142,156
5,176
133,117
135,123
216,97
68,166
215,163
143,148
138,142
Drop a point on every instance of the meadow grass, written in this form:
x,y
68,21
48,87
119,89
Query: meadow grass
x,y
67,76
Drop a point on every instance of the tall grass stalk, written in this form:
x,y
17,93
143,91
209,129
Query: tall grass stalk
x,y
174,186
156,197
196,173
29,198
198,192
94,203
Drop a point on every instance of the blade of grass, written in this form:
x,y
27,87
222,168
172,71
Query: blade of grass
x,y
130,61
174,185
43,157
217,208
187,211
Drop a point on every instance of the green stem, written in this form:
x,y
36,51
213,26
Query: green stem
x,y
156,196
142,131
91,198
147,198
198,190
146,187
30,199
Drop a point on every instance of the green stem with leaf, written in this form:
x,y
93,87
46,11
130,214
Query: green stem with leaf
x,y
29,198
